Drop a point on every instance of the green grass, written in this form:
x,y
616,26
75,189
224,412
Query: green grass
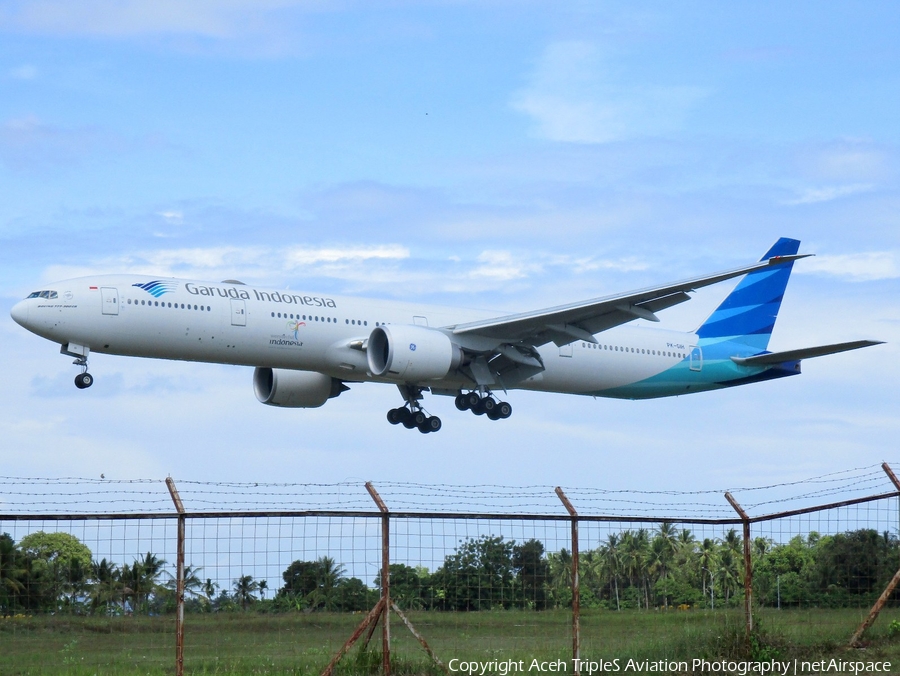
x,y
293,644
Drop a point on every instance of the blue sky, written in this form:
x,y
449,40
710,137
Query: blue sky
x,y
497,155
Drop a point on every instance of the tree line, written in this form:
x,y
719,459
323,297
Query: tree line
x,y
638,569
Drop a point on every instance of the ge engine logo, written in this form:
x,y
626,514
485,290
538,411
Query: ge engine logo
x,y
412,347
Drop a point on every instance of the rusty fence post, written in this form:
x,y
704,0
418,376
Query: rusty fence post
x,y
179,580
382,609
748,565
856,639
385,579
576,592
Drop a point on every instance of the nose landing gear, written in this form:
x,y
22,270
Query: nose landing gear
x,y
84,379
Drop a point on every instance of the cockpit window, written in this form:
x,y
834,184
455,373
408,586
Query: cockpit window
x,y
44,294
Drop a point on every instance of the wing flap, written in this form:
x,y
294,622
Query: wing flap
x,y
771,358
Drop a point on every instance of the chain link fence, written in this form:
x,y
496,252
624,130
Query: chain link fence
x,y
103,576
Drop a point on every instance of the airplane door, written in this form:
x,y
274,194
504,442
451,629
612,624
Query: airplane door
x,y
238,312
565,350
109,300
696,358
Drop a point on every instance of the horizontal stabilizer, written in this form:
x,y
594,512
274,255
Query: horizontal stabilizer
x,y
804,353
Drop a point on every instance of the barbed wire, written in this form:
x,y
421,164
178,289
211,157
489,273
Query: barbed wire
x,y
36,495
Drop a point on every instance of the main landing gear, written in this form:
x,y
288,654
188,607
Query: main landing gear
x,y
483,405
414,417
411,415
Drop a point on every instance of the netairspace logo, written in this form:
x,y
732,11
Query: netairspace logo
x,y
158,287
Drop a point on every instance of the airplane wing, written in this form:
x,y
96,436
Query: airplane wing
x,y
770,358
580,321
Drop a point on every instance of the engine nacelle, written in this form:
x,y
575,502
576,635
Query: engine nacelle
x,y
411,353
294,389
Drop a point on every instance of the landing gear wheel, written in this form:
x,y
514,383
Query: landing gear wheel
x,y
462,402
430,424
488,405
504,410
407,418
472,400
394,415
494,413
84,380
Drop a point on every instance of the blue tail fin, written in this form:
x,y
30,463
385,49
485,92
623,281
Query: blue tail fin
x,y
748,314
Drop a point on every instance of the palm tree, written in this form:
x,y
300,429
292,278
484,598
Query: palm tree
x,y
209,589
708,560
243,590
328,574
193,585
634,550
612,562
11,572
732,561
263,586
144,578
106,589
657,562
561,575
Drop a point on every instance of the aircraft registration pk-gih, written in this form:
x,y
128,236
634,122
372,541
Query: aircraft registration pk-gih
x,y
309,348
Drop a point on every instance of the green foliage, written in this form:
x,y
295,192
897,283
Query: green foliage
x,y
321,585
57,548
478,576
637,569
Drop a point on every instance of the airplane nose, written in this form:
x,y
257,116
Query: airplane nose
x,y
19,313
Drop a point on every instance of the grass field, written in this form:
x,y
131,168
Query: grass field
x,y
281,644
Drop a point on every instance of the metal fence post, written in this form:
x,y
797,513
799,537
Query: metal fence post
x,y
576,591
179,580
385,579
855,640
748,565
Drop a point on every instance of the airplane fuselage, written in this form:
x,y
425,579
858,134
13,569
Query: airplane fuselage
x,y
232,323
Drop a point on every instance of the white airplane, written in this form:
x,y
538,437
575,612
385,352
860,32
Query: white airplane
x,y
305,348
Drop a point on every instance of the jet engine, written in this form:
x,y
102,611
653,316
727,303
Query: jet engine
x,y
294,389
411,353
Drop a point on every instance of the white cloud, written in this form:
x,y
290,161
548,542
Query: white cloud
x,y
28,143
858,267
573,97
311,256
851,161
828,193
125,18
172,216
501,266
24,72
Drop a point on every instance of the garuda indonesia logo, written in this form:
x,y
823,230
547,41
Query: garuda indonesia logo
x,y
157,287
